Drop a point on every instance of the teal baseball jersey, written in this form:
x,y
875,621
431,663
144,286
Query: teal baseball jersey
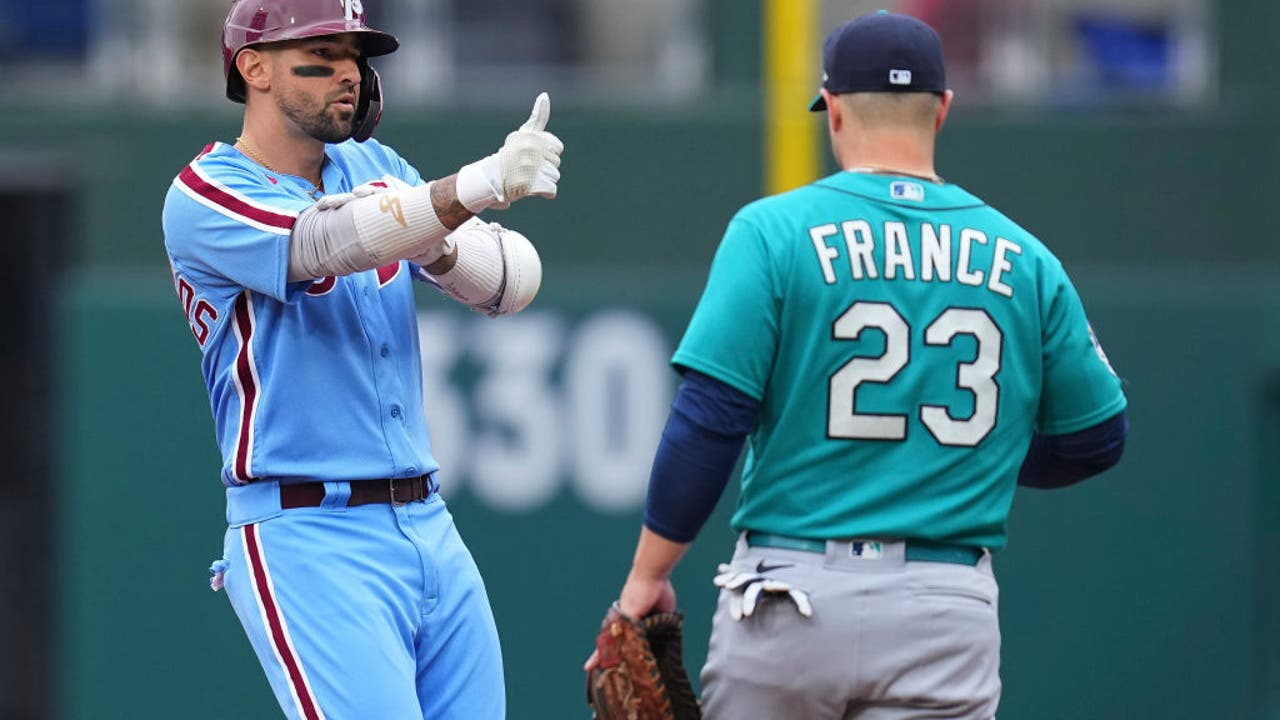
x,y
904,339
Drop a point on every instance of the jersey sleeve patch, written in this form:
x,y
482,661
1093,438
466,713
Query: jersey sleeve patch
x,y
1080,388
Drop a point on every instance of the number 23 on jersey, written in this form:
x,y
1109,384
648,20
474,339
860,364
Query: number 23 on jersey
x,y
977,376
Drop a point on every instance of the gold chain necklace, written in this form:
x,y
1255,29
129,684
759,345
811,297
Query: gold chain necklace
x,y
248,149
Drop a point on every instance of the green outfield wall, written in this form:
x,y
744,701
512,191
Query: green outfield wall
x,y
1148,592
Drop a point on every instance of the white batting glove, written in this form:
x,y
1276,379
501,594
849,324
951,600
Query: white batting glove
x,y
528,163
746,587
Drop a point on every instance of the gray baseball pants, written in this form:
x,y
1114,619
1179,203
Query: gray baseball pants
x,y
888,639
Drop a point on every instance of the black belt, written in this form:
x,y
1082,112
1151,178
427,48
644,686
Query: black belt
x,y
397,491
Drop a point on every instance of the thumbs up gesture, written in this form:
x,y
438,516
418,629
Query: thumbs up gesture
x,y
528,163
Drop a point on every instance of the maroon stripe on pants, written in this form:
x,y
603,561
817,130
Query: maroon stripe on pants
x,y
275,624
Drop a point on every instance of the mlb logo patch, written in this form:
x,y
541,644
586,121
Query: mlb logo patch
x,y
899,77
866,549
906,191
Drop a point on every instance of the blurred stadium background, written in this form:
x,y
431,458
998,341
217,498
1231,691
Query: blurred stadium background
x,y
1138,138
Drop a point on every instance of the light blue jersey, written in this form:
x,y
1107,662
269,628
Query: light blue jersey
x,y
905,339
331,366
354,610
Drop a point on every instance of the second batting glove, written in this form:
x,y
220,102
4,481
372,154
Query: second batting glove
x,y
746,587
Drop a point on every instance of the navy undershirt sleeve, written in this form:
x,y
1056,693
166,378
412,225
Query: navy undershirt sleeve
x,y
1055,461
708,423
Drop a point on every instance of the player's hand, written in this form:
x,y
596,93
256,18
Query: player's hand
x,y
528,163
531,156
387,183
333,201
641,596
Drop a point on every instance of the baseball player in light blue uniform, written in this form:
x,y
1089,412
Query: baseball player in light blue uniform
x,y
898,357
294,253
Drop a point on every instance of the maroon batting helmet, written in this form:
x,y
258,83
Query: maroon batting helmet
x,y
258,22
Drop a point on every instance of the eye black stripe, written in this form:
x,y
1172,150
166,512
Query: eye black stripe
x,y
313,71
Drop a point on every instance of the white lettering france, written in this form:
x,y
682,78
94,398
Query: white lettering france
x,y
861,245
1000,265
826,253
903,249
897,252
935,251
964,273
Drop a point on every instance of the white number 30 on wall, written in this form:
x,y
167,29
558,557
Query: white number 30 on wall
x,y
549,402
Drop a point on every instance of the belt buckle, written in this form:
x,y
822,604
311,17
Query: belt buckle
x,y
391,485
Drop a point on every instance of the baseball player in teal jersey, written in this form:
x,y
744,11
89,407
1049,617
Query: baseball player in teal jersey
x,y
294,253
898,356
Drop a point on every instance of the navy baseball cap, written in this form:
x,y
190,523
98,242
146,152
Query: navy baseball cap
x,y
882,52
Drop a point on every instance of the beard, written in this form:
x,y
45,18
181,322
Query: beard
x,y
324,124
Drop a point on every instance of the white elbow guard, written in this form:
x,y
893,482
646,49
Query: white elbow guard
x,y
523,272
497,272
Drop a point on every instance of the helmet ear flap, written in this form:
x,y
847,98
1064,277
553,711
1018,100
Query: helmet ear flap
x,y
369,106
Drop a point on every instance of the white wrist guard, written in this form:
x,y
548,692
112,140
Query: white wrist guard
x,y
399,224
497,271
479,185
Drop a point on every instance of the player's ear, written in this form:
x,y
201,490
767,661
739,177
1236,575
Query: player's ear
x,y
944,107
255,68
835,111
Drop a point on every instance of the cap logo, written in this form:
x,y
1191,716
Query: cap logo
x,y
899,77
354,9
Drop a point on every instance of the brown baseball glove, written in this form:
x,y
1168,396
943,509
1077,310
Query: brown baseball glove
x,y
641,675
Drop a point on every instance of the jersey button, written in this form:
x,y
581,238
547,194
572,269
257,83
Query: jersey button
x,y
385,351
395,411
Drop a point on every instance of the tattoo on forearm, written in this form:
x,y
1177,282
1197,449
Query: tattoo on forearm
x,y
444,264
444,199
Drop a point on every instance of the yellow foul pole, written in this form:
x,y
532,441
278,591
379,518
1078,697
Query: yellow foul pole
x,y
791,77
